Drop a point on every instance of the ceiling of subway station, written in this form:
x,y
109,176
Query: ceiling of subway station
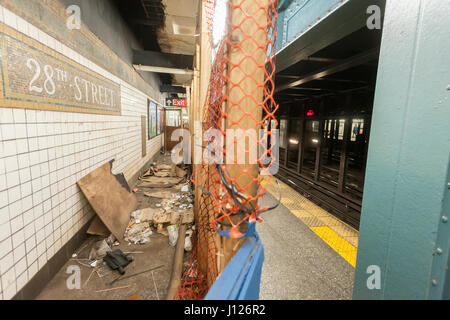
x,y
166,26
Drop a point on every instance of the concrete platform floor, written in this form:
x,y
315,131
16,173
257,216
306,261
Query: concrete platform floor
x,y
149,286
298,263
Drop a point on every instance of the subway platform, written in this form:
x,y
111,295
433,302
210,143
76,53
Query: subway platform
x,y
309,254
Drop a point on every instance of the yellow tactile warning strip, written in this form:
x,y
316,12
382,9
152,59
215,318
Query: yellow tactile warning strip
x,y
339,236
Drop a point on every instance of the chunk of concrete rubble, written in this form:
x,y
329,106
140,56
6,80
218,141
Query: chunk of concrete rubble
x,y
147,214
174,217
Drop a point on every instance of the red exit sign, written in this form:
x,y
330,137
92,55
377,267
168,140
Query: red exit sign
x,y
310,113
176,102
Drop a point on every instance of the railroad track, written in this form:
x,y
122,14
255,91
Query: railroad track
x,y
344,209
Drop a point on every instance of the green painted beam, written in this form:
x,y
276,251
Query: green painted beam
x,y
342,20
406,186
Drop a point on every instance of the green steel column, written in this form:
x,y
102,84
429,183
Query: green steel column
x,y
406,187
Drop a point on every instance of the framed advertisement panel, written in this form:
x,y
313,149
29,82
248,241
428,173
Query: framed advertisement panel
x,y
159,117
152,119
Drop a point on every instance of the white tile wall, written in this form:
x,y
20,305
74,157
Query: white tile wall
x,y
42,155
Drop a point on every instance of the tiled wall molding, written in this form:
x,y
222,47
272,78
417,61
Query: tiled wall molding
x,y
50,17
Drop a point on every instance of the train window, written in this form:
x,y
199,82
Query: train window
x,y
315,126
341,129
311,142
357,129
328,128
283,127
273,124
295,136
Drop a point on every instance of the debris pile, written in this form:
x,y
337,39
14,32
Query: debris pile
x,y
173,207
166,191
138,232
164,171
169,212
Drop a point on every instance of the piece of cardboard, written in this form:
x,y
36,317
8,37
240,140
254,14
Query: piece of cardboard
x,y
158,182
98,228
111,200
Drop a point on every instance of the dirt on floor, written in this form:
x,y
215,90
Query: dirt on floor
x,y
96,283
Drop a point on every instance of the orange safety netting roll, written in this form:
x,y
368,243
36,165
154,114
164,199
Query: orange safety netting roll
x,y
238,119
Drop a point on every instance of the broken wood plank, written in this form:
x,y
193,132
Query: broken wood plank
x,y
98,228
162,180
158,182
160,194
173,217
112,202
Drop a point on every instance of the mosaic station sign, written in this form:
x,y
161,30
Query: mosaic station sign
x,y
37,77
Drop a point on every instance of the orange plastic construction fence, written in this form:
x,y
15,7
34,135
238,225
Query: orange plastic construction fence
x,y
241,98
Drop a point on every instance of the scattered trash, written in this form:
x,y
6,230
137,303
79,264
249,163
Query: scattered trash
x,y
134,274
173,234
117,288
161,195
164,170
188,240
102,270
111,240
168,211
94,263
117,260
86,282
175,208
159,182
79,261
135,214
155,286
99,250
138,233
162,230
